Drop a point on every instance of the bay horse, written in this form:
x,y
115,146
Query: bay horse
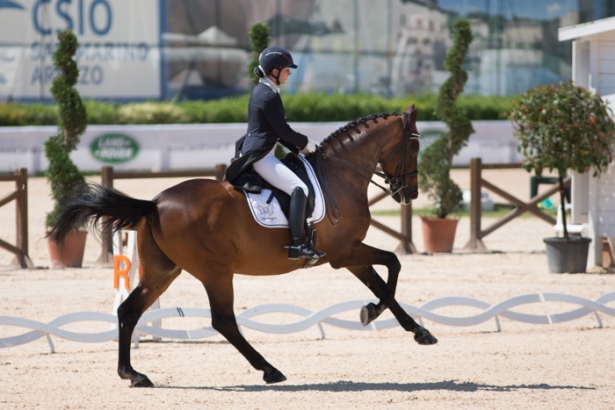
x,y
205,227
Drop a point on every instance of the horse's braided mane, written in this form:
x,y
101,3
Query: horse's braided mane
x,y
354,123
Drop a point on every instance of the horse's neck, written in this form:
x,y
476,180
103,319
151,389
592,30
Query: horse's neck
x,y
363,152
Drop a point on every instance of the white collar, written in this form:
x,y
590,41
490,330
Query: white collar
x,y
269,84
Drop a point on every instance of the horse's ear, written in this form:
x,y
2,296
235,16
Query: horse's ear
x,y
413,113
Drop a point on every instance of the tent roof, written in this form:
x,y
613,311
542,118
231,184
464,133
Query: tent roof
x,y
586,29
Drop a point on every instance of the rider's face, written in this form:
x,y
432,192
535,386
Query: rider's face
x,y
284,75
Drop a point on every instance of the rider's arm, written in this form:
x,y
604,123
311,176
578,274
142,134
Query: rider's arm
x,y
274,112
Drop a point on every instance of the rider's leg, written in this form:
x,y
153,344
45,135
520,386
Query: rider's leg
x,y
277,174
299,248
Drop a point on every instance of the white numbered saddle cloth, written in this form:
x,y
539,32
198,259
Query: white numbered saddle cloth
x,y
271,215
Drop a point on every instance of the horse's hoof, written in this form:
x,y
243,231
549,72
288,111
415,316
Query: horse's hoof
x,y
126,373
368,314
424,337
273,376
140,380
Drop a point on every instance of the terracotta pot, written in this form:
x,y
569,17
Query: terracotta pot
x,y
71,254
438,234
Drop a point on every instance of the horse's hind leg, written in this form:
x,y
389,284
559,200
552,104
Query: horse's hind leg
x,y
158,273
371,279
220,293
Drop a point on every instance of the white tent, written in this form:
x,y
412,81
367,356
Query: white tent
x,y
593,67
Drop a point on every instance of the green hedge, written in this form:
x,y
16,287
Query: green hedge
x,y
310,107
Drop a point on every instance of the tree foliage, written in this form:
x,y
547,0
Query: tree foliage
x,y
436,160
259,40
62,173
563,127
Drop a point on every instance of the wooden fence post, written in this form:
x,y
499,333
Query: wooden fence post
x,y
21,217
106,256
406,245
475,243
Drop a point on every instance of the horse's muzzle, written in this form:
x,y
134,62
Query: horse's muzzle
x,y
405,198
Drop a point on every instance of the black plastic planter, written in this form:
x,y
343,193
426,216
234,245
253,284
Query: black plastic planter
x,y
567,255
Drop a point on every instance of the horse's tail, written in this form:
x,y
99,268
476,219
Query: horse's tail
x,y
92,202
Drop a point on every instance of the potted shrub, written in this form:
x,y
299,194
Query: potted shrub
x,y
563,127
436,160
62,173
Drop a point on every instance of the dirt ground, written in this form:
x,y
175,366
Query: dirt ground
x,y
524,366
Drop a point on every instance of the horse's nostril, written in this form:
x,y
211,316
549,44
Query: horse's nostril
x,y
414,195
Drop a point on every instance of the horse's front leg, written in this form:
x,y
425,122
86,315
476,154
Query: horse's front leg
x,y
371,279
365,255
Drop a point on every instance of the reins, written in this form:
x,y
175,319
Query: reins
x,y
394,182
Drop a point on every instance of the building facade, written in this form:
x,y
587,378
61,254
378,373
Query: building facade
x,y
198,49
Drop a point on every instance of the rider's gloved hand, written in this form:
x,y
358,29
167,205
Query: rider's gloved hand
x,y
310,147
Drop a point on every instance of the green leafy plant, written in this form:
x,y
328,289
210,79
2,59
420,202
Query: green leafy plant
x,y
437,159
259,40
563,127
62,172
300,107
153,113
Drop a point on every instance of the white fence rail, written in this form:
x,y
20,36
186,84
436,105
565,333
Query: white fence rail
x,y
503,309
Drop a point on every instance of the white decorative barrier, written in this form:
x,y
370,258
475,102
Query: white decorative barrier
x,y
310,318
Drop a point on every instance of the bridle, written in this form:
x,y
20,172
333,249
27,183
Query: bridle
x,y
396,183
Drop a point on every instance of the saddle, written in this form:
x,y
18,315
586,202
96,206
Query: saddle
x,y
294,163
270,206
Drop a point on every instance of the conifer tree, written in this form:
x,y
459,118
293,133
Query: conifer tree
x,y
62,173
437,159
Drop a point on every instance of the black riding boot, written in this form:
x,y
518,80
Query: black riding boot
x,y
298,248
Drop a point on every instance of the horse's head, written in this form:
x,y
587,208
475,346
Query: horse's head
x,y
399,159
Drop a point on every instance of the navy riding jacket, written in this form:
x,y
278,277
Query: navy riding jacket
x,y
267,123
266,126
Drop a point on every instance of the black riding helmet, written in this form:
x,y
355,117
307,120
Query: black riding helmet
x,y
275,57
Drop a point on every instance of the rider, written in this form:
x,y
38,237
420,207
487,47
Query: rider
x,y
267,126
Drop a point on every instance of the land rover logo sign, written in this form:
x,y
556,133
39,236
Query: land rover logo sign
x,y
114,148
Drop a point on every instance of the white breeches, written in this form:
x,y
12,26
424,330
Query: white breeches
x,y
277,174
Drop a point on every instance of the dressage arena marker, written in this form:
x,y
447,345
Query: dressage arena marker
x,y
325,315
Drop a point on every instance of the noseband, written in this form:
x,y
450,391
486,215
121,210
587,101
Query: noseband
x,y
396,183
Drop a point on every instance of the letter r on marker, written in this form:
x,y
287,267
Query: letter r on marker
x,y
119,272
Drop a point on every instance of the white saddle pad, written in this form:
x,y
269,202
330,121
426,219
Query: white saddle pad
x,y
271,215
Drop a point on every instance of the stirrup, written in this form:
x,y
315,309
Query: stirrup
x,y
303,251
